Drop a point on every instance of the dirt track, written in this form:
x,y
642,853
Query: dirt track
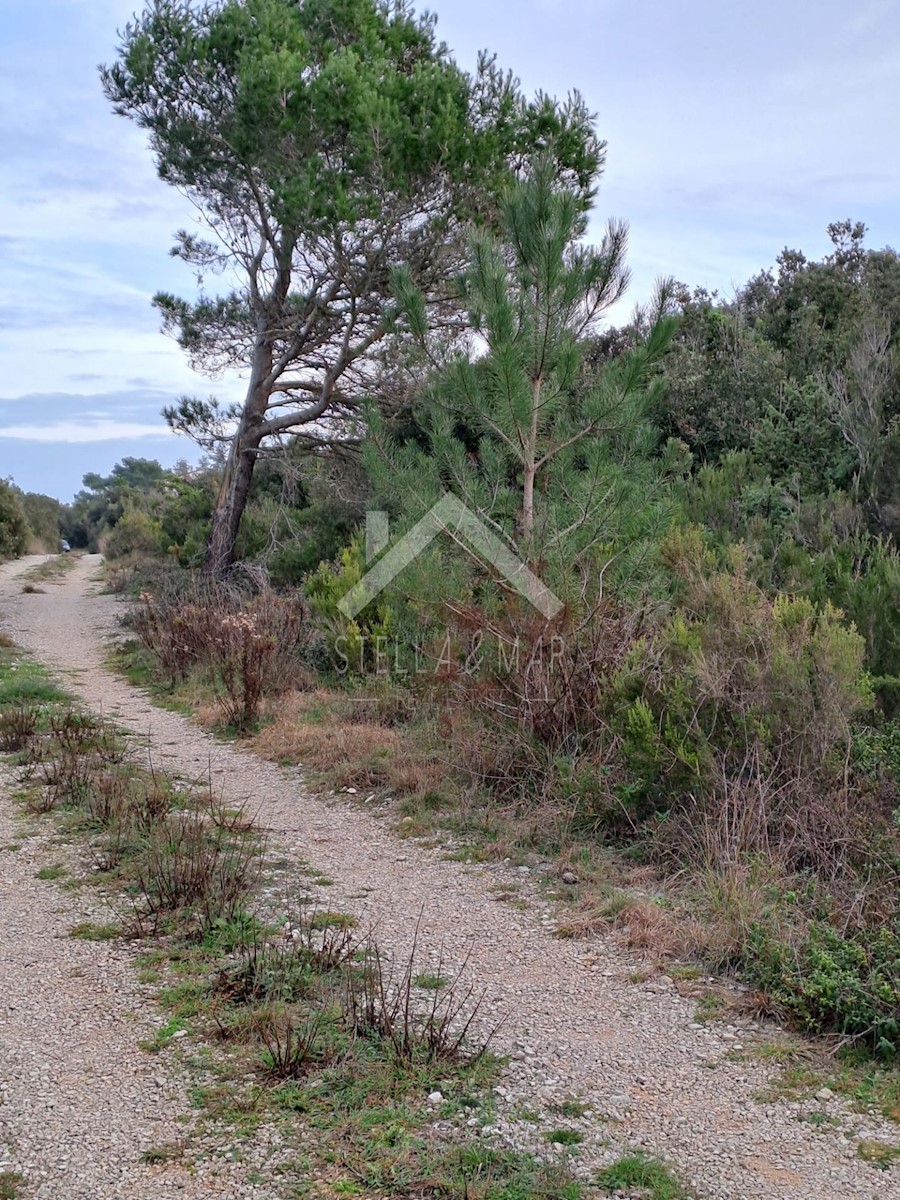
x,y
576,1025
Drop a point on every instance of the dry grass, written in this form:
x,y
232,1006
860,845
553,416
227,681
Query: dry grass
x,y
691,917
54,570
639,923
339,739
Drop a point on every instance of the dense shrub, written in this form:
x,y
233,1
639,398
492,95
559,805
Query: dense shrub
x,y
741,706
192,871
350,645
13,526
136,532
862,576
44,517
846,983
247,645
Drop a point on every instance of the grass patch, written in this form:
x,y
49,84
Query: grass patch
x,y
430,982
53,570
164,1036
332,920
819,1120
155,1155
564,1137
11,1185
92,931
652,1178
332,1075
571,1108
57,871
867,1086
711,1007
23,682
877,1154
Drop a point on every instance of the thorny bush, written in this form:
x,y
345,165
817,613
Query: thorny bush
x,y
247,645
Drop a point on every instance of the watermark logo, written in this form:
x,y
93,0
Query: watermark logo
x,y
448,516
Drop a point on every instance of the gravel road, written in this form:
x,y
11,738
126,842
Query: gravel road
x,y
80,1101
80,1098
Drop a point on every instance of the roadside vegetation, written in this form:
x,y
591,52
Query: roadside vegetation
x,y
705,734
375,1077
702,724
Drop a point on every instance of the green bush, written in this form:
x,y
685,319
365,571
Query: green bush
x,y
136,532
13,526
862,576
736,681
351,644
876,751
845,983
44,516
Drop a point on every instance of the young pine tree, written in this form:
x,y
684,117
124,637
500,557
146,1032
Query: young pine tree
x,y
566,470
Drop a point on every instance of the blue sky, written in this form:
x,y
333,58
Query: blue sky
x,y
733,130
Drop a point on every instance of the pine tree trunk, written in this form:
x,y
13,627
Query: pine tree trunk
x,y
235,487
230,504
529,471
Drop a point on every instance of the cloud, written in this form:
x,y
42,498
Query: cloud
x,y
95,429
55,414
733,131
87,225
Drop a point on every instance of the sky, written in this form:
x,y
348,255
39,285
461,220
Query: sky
x,y
733,130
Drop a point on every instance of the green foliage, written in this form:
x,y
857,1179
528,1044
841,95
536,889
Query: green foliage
x,y
861,575
13,525
722,379
341,141
566,472
135,532
352,644
23,682
834,982
642,1175
131,484
11,1185
876,750
45,517
292,541
788,400
184,515
738,681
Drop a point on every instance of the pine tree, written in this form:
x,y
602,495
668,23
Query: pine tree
x,y
322,142
565,468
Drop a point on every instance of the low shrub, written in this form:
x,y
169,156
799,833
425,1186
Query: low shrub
x,y
295,1042
846,983
347,646
18,725
246,645
736,720
380,1002
135,533
193,873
